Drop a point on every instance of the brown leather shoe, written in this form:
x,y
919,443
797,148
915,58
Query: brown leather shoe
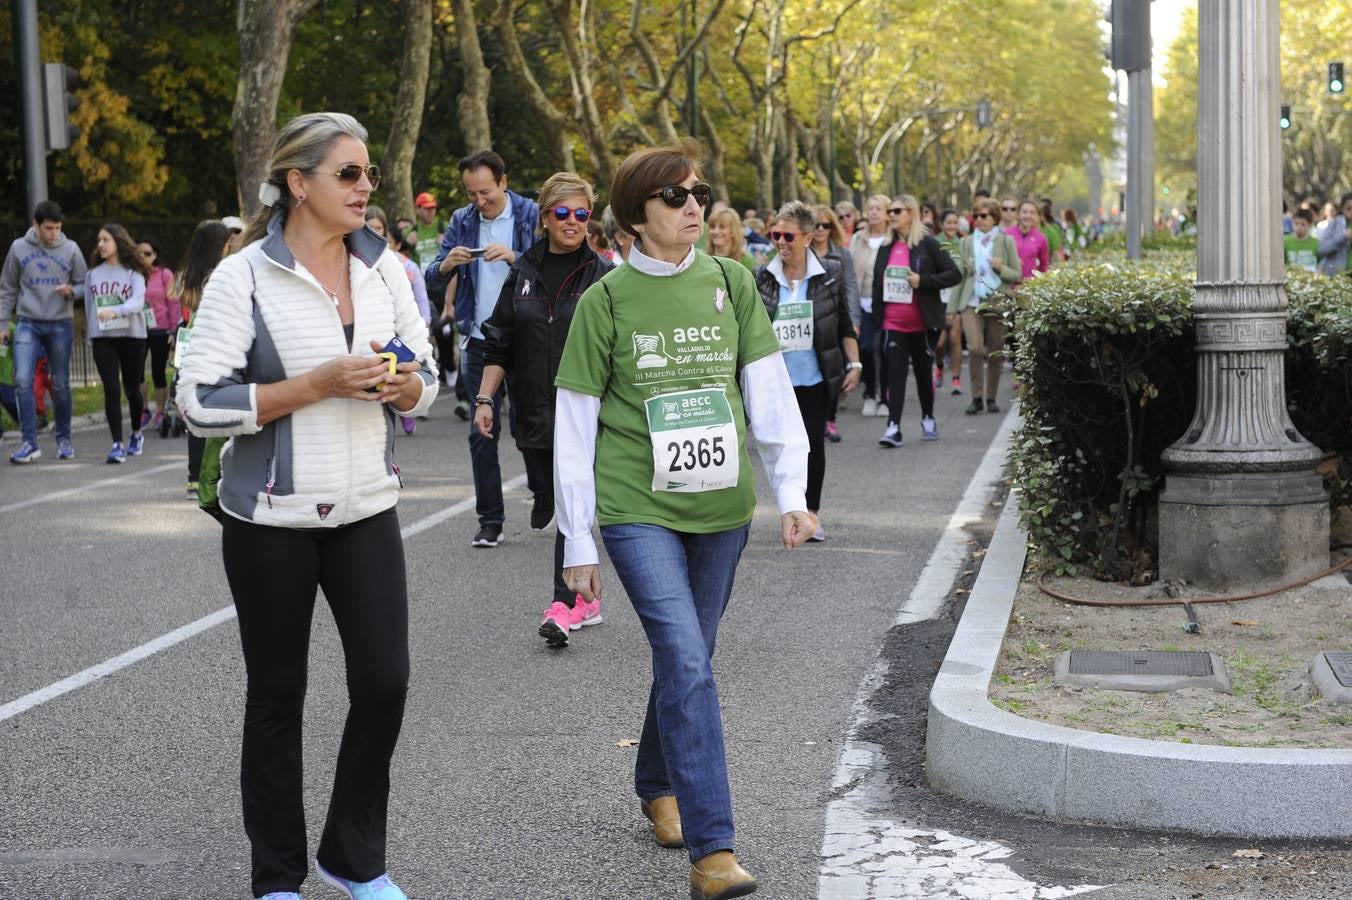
x,y
666,819
719,877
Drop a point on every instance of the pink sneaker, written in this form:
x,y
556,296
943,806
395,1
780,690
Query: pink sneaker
x,y
558,620
584,613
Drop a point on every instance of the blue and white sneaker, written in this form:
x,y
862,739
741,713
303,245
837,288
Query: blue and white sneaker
x,y
64,449
136,444
380,889
117,454
28,452
282,895
928,429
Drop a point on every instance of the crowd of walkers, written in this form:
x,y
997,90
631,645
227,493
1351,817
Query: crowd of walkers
x,y
647,341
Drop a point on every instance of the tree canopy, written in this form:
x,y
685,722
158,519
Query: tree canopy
x,y
790,98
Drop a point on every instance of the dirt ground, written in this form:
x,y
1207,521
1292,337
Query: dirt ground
x,y
1267,645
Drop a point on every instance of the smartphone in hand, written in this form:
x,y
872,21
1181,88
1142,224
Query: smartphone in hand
x,y
477,252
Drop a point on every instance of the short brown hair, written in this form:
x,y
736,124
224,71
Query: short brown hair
x,y
645,172
987,205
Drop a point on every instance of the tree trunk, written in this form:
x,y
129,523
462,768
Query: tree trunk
x,y
556,123
266,29
717,174
408,107
584,94
473,101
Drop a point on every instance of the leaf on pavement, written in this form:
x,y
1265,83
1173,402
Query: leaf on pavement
x,y
627,742
1251,853
1243,622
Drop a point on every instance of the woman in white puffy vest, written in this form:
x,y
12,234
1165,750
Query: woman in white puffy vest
x,y
283,360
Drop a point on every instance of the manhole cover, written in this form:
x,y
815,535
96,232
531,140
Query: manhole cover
x,y
1145,662
1341,664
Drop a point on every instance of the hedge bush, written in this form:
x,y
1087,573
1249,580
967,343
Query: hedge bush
x,y
1104,351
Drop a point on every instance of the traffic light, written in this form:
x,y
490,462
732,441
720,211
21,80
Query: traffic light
x,y
1335,78
1131,34
59,82
1286,117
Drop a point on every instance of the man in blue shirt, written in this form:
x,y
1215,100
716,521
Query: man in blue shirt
x,y
478,250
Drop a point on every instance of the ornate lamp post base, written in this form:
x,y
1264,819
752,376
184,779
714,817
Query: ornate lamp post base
x,y
1242,505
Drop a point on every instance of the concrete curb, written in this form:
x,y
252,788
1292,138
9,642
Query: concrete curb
x,y
981,753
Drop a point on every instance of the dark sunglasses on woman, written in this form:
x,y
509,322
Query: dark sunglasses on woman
x,y
581,213
351,173
785,236
675,195
896,210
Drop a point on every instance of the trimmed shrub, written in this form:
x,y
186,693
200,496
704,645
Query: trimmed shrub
x,y
1105,355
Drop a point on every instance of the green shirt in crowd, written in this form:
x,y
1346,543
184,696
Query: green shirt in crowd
x,y
663,355
1052,232
429,239
1302,253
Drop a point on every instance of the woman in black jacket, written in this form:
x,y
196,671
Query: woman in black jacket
x,y
908,274
807,299
524,338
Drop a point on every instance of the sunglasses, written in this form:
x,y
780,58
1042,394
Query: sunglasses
x,y
675,195
582,214
983,216
823,226
785,236
1010,208
351,173
896,210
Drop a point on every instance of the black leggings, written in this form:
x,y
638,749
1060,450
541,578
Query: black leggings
x,y
123,357
158,342
273,575
540,479
813,403
913,350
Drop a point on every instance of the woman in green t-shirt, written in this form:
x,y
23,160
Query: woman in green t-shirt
x,y
668,359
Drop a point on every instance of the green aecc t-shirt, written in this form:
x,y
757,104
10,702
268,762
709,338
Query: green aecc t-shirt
x,y
1302,253
663,354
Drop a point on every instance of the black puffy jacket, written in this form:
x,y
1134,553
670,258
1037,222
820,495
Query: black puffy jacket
x,y
526,333
830,315
936,270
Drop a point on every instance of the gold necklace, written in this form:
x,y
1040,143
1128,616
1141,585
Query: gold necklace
x,y
333,295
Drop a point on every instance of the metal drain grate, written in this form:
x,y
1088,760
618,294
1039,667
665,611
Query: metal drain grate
x,y
1143,662
1341,664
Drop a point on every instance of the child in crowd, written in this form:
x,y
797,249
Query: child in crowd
x,y
1301,247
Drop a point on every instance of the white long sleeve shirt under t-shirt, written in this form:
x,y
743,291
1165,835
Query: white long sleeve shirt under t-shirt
x,y
775,423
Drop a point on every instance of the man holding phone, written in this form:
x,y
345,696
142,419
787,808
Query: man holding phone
x,y
43,276
478,250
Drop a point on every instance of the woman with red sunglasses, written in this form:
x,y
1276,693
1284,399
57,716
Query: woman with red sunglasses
x,y
524,338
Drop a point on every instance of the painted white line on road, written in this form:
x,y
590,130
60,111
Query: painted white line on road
x,y
936,579
93,485
179,635
866,854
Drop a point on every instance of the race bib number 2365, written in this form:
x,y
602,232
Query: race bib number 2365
x,y
694,441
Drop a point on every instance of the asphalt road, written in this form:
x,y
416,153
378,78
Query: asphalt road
x,y
509,781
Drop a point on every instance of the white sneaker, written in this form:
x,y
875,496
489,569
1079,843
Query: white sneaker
x,y
881,412
870,408
892,436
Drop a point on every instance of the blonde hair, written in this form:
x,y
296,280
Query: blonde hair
x,y
836,234
559,187
301,144
736,235
917,230
885,200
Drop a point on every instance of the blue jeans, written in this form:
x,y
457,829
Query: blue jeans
x,y
31,339
679,585
483,453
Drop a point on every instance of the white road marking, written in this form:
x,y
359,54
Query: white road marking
x,y
178,635
93,485
865,854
